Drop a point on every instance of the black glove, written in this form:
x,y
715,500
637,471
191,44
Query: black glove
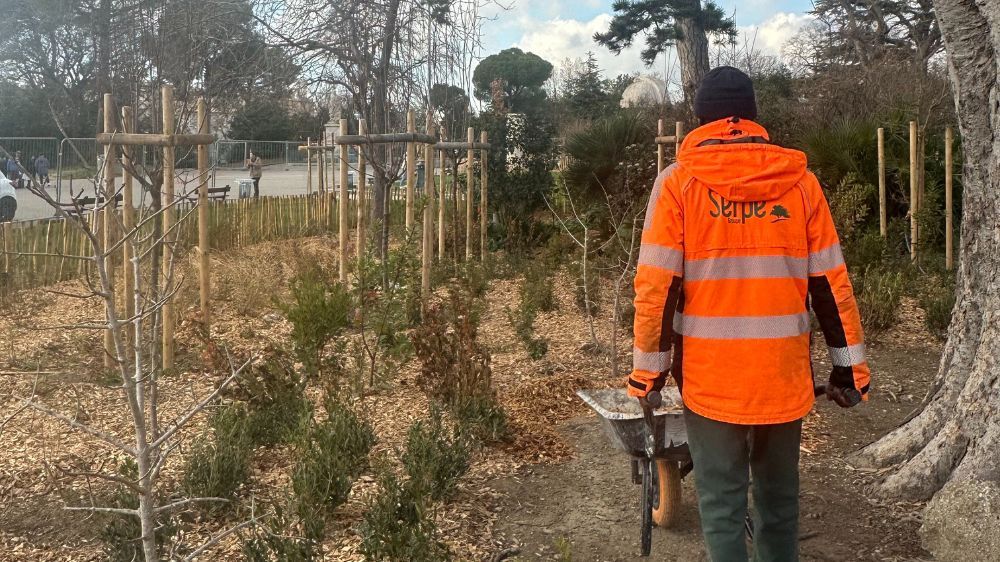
x,y
844,397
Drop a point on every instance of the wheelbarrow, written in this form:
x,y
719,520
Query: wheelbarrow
x,y
656,440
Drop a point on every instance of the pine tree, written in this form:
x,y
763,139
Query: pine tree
x,y
685,24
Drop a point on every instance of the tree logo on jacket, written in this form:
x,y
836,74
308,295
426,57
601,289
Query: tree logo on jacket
x,y
780,213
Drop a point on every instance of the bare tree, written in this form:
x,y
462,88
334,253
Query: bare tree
x,y
133,355
385,54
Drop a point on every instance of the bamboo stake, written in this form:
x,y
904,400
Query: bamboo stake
x,y
483,197
661,150
128,216
913,190
411,168
949,243
108,215
46,260
342,208
361,195
65,247
427,233
7,249
469,181
168,223
883,217
203,244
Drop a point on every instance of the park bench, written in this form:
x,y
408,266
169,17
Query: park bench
x,y
218,193
214,194
81,205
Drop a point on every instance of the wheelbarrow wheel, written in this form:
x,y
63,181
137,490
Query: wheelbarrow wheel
x,y
648,499
668,487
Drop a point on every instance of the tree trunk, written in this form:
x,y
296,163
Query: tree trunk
x,y
692,54
956,435
380,124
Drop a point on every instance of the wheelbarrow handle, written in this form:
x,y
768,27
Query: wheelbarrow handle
x,y
650,402
852,395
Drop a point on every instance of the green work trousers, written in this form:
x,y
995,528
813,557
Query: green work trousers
x,y
726,458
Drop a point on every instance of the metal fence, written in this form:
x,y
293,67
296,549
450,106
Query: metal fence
x,y
234,153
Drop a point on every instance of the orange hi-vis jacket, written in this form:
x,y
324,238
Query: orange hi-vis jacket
x,y
738,242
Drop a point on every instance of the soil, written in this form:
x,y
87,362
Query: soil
x,y
589,507
556,484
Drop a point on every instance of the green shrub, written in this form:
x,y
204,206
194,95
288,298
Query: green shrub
x,y
398,527
319,311
218,466
937,298
850,204
434,460
878,293
523,322
275,540
334,455
482,417
455,368
537,286
121,534
276,402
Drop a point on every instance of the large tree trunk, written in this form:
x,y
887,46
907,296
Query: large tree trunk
x,y
692,54
956,436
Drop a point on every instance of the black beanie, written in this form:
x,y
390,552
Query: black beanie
x,y
725,92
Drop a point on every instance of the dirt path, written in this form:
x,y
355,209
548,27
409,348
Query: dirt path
x,y
589,506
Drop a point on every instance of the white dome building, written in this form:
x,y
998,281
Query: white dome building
x,y
645,91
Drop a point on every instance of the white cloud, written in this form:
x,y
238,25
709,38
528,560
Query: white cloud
x,y
770,36
557,39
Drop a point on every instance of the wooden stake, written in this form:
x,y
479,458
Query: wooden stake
x,y
309,165
361,192
411,168
203,244
883,218
322,167
914,179
469,186
678,137
128,216
441,205
7,249
949,243
427,233
168,223
108,215
342,208
661,150
483,197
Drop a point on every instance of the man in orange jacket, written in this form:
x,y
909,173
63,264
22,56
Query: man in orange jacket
x,y
738,244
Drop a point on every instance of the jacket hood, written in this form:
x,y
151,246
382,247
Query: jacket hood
x,y
739,168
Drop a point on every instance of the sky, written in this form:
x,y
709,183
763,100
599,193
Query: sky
x,y
561,29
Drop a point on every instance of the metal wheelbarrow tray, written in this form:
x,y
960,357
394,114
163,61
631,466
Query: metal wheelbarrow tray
x,y
621,418
659,473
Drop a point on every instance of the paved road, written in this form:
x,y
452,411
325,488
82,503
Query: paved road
x,y
277,180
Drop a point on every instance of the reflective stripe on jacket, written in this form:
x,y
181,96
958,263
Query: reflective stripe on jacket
x,y
737,240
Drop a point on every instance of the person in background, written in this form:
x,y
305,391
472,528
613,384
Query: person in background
x,y
14,169
256,167
42,170
737,246
30,166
